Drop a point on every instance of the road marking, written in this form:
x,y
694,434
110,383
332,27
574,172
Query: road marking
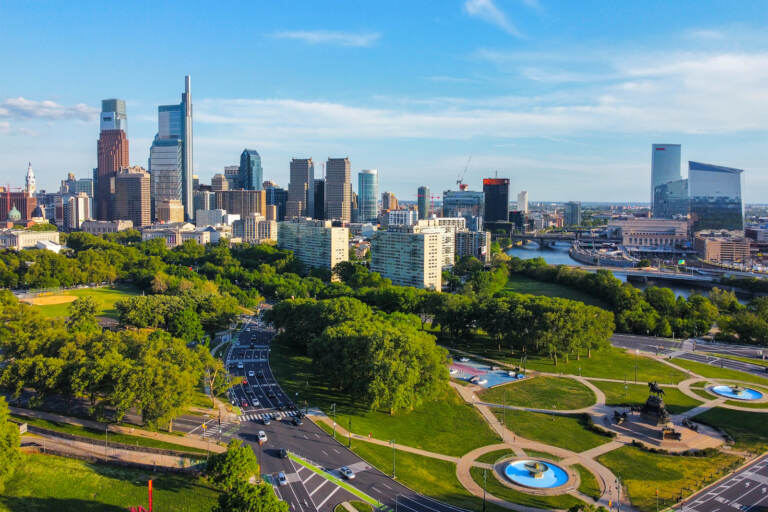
x,y
324,452
328,497
318,487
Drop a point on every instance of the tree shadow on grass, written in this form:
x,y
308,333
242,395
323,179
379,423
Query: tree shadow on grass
x,y
170,482
31,503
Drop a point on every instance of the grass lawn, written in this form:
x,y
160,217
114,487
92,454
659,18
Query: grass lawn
x,y
563,431
588,485
643,473
492,457
522,284
432,477
105,299
545,455
113,437
715,372
360,506
447,425
636,394
542,392
44,483
611,363
493,486
761,405
748,429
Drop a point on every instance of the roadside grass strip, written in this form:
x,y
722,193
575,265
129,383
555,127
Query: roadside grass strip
x,y
335,480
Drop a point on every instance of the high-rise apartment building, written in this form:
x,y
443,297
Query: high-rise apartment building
x,y
132,196
465,203
522,201
410,255
204,200
319,199
251,173
573,213
172,149
300,188
242,202
338,189
402,218
389,202
76,209
112,154
715,195
255,228
496,191
424,202
474,243
665,167
368,195
212,217
316,243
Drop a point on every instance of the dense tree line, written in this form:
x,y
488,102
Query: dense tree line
x,y
9,445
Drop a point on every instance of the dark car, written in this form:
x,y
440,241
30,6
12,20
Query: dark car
x,y
297,421
283,453
267,419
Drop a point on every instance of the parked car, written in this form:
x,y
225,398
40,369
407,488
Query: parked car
x,y
283,453
281,480
297,421
250,373
346,473
240,365
262,436
244,403
267,419
255,402
464,359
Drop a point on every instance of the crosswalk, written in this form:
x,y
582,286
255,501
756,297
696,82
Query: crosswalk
x,y
272,415
213,429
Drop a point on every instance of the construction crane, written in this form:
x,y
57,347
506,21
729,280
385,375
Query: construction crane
x,y
460,180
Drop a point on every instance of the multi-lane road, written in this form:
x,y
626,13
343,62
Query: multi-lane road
x,y
746,491
305,490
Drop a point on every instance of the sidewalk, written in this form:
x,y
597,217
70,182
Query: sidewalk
x,y
131,431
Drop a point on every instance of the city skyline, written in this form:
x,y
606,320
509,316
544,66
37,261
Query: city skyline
x,y
560,127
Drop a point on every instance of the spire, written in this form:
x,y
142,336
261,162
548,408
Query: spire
x,y
30,182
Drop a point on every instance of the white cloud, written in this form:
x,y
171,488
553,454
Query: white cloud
x,y
22,108
361,39
487,11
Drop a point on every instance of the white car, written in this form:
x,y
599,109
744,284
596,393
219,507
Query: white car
x,y
453,371
240,365
464,359
281,479
346,473
262,436
255,402
250,373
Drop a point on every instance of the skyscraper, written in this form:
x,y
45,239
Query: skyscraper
x,y
496,191
665,167
166,157
278,197
573,213
389,201
319,202
368,195
424,201
300,188
522,201
132,196
30,185
338,189
465,203
715,195
112,154
174,153
251,173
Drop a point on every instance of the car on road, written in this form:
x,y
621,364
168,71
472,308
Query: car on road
x,y
281,480
464,359
267,419
261,436
250,373
283,453
244,403
245,382
240,365
255,402
271,393
297,421
346,473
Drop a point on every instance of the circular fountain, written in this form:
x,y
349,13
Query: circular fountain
x,y
737,392
536,474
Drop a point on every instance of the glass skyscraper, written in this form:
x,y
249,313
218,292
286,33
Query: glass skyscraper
x,y
368,195
670,200
715,197
424,202
251,173
665,168
496,191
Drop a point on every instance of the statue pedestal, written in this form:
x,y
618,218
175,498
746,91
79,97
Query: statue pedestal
x,y
654,412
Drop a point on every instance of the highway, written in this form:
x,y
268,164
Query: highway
x,y
746,491
305,491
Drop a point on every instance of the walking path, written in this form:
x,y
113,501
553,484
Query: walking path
x,y
180,440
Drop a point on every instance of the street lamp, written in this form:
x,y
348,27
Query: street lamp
x,y
392,441
485,481
637,352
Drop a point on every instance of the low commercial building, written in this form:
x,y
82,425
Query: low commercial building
x,y
410,255
169,211
664,233
97,227
209,217
171,233
723,250
316,243
22,239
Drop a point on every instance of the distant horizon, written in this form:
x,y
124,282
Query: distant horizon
x,y
562,108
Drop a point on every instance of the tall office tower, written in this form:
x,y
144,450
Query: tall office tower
x,y
319,201
715,194
174,137
368,195
112,154
496,192
132,196
316,243
278,197
522,201
338,189
30,185
74,186
166,160
389,202
219,182
272,214
232,175
424,202
300,188
409,255
671,200
573,213
665,167
204,200
242,202
465,203
76,209
251,174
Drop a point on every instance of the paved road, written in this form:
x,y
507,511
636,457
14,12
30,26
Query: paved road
x,y
305,491
692,350
745,491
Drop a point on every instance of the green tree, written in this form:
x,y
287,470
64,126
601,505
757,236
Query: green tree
x,y
9,445
250,498
234,466
82,316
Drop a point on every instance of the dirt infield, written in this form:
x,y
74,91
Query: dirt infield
x,y
49,299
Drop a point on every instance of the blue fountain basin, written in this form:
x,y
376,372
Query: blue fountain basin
x,y
742,394
553,476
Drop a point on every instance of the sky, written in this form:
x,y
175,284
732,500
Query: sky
x,y
563,98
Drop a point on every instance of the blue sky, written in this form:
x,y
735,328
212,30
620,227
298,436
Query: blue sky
x,y
564,98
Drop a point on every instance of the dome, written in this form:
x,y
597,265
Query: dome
x,y
38,213
14,214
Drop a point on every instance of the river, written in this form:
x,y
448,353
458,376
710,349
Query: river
x,y
559,256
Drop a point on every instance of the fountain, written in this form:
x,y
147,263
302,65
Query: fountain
x,y
737,392
536,474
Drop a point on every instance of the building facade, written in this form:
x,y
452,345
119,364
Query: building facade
x,y
76,209
496,191
423,202
111,153
474,243
169,211
721,250
409,255
522,201
665,167
338,189
319,200
251,173
572,216
301,188
278,197
662,233
389,202
465,203
209,217
20,239
671,200
715,194
242,202
368,195
316,243
132,196
402,218
98,227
